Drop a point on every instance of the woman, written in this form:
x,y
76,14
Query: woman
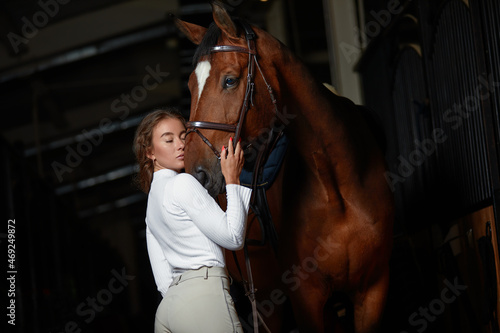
x,y
186,230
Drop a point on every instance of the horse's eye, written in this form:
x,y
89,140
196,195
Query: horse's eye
x,y
230,82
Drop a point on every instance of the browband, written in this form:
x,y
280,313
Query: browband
x,y
231,48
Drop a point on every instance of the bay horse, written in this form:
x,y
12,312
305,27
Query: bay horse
x,y
331,204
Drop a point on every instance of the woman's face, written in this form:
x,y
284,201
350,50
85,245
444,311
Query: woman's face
x,y
167,150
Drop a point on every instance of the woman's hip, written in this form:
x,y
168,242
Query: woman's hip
x,y
199,300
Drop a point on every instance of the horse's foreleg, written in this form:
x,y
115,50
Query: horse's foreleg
x,y
369,305
308,303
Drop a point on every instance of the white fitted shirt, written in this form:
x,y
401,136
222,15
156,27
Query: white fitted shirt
x,y
187,229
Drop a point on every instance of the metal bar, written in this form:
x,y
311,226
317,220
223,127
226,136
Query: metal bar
x,y
109,206
487,34
115,126
121,172
87,51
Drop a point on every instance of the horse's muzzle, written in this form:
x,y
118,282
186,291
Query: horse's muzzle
x,y
214,183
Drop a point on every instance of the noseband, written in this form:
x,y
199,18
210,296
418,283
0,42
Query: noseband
x,y
193,126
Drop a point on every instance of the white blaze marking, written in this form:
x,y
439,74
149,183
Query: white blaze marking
x,y
202,72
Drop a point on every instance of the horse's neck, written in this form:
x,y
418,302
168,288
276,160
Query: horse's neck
x,y
316,124
318,130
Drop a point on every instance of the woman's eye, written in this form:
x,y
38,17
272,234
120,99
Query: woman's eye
x,y
230,82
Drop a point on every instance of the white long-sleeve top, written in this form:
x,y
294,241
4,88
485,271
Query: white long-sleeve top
x,y
186,228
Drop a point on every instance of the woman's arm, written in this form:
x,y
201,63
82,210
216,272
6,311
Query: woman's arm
x,y
159,264
224,228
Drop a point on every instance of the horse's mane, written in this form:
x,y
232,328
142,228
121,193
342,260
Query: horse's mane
x,y
209,40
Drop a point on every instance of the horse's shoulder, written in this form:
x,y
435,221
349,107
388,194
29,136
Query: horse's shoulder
x,y
372,118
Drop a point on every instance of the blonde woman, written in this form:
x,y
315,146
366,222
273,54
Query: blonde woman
x,y
186,230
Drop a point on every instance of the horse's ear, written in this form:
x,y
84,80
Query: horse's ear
x,y
192,31
223,20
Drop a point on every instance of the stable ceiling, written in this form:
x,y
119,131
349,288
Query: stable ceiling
x,y
77,76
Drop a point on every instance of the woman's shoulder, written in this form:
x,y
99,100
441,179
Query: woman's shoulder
x,y
185,182
184,188
185,177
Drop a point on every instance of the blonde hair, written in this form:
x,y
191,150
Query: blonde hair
x,y
143,143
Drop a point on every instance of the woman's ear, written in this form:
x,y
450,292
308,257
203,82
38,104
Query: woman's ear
x,y
150,154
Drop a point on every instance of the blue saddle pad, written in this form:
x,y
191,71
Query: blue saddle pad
x,y
271,167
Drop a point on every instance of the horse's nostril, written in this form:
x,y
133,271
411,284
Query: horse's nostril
x,y
201,175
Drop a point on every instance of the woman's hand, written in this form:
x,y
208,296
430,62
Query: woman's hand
x,y
231,162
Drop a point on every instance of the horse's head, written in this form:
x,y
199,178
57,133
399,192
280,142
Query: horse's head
x,y
229,96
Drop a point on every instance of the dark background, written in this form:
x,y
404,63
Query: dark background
x,y
72,92
70,106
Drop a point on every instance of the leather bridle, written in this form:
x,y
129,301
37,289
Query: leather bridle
x,y
193,126
259,201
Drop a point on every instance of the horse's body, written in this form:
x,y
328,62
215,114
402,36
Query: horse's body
x,y
331,204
